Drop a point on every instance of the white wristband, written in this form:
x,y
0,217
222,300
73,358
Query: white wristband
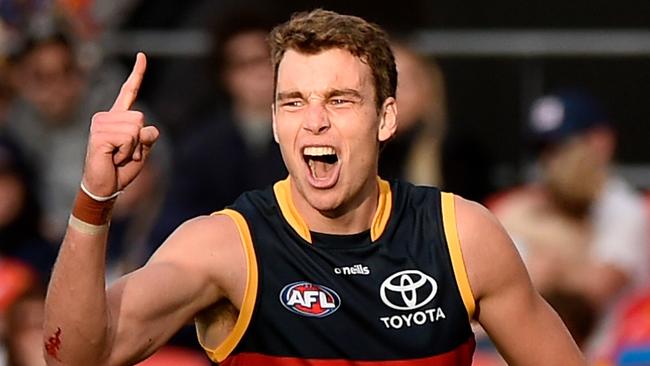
x,y
99,198
86,228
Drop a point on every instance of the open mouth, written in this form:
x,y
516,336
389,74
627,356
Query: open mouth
x,y
322,162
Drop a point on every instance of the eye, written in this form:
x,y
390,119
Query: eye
x,y
339,101
292,104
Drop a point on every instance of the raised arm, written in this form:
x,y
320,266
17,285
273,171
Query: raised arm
x,y
85,323
523,326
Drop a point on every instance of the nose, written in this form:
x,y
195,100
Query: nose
x,y
316,119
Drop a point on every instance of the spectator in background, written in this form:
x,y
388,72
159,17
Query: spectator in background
x,y
25,329
20,231
26,258
426,150
580,229
47,122
15,279
414,153
232,149
627,341
49,119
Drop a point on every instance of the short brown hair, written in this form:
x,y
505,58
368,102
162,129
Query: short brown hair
x,y
320,30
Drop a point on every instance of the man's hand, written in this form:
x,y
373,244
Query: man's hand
x,y
119,142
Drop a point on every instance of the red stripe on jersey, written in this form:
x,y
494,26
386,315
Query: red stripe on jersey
x,y
460,356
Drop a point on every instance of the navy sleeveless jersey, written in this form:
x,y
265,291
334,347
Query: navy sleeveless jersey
x,y
397,294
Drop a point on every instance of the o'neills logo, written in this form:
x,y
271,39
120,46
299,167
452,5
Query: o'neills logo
x,y
357,269
309,299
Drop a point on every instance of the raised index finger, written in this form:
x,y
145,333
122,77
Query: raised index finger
x,y
130,88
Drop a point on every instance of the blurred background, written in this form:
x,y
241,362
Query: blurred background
x,y
535,109
497,56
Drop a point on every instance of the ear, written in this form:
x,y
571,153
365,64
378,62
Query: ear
x,y
387,120
275,129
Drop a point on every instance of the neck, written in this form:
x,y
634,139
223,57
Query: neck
x,y
351,217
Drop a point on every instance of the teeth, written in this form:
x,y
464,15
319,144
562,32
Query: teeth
x,y
319,151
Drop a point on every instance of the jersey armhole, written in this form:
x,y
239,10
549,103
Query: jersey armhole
x,y
223,350
456,253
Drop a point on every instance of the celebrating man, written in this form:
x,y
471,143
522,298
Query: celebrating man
x,y
332,266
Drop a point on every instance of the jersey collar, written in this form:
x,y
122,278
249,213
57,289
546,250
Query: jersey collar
x,y
282,190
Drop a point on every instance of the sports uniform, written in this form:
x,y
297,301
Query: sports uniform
x,y
396,294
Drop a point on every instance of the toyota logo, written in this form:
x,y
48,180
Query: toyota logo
x,y
408,290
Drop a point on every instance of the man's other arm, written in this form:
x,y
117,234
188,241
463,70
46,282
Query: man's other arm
x,y
522,325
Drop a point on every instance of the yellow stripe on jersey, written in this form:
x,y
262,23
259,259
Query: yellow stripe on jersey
x,y
282,190
453,243
224,349
384,208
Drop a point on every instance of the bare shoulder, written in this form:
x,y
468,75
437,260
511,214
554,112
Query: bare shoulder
x,y
209,246
473,215
489,254
201,236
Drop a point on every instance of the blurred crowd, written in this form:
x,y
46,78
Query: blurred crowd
x,y
582,231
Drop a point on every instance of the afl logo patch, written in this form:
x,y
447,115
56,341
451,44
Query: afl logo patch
x,y
309,299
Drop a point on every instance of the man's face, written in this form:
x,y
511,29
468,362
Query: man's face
x,y
248,74
574,172
51,81
328,126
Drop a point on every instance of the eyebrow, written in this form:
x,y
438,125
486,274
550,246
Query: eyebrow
x,y
329,94
289,95
343,93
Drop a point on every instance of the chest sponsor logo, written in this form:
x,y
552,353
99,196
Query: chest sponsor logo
x,y
408,291
357,269
309,299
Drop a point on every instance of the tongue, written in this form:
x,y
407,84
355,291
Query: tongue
x,y
320,169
